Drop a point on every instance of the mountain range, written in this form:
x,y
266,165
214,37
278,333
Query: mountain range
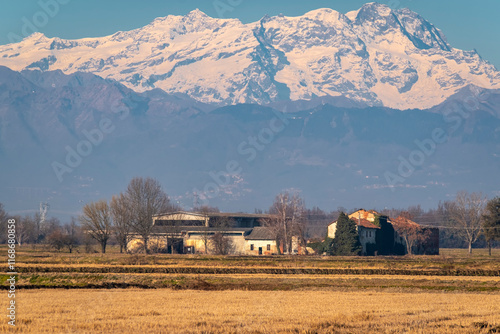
x,y
72,139
368,109
375,55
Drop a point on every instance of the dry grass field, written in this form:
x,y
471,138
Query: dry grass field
x,y
188,311
59,292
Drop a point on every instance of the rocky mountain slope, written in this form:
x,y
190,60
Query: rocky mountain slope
x,y
71,139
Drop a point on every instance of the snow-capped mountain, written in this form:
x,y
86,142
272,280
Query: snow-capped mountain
x,y
375,55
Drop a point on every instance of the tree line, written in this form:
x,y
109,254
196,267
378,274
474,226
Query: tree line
x,y
129,212
470,220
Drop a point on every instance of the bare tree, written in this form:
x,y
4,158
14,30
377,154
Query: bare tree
x,y
55,239
466,213
221,243
205,209
491,222
3,214
413,213
43,231
411,232
72,234
298,221
205,234
96,220
122,217
317,222
3,224
25,229
278,223
145,198
289,221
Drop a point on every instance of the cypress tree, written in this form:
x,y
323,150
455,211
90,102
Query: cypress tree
x,y
346,237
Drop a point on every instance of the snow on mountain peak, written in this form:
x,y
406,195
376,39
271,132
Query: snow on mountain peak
x,y
196,13
321,13
379,8
35,37
352,14
325,15
374,55
377,15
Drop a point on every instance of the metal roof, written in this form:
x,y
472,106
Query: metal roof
x,y
261,233
217,214
187,229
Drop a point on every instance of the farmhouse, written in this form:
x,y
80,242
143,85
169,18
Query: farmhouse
x,y
261,241
208,233
366,230
378,235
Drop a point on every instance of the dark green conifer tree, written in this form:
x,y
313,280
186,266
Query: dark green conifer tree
x,y
346,240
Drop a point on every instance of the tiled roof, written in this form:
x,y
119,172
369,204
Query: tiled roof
x,y
361,222
364,223
363,214
402,221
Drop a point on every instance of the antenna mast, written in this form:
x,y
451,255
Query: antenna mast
x,y
43,212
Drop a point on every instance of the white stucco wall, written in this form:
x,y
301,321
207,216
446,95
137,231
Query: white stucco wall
x,y
331,230
263,244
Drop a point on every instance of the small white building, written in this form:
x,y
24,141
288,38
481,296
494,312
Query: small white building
x,y
261,241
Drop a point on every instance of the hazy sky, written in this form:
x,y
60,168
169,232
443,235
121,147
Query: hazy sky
x,y
467,24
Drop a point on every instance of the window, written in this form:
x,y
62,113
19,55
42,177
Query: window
x,y
251,247
268,247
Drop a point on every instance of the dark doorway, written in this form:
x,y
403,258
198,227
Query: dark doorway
x,y
260,250
175,246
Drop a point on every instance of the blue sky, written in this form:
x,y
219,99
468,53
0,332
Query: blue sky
x,y
467,24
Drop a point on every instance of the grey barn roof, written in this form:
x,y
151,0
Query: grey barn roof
x,y
185,229
261,233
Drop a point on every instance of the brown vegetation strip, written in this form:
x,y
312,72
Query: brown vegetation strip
x,y
242,270
105,285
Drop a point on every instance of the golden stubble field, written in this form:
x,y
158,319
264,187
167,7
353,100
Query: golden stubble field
x,y
59,292
311,311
